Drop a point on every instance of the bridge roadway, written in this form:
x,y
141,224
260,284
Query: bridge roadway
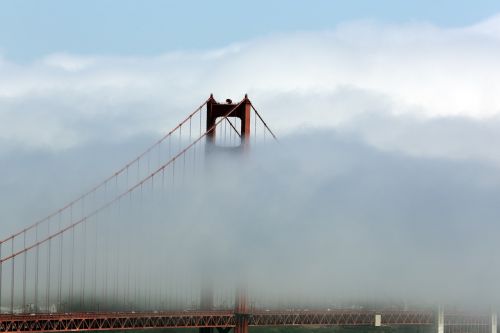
x,y
92,321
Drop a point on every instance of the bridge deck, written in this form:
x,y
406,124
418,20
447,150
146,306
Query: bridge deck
x,y
196,319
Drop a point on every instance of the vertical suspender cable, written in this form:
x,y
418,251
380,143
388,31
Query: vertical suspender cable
x,y
12,282
194,158
190,129
118,257
183,167
129,259
126,292
160,289
180,139
173,174
48,274
106,268
37,257
91,245
138,170
96,255
106,252
159,154
149,162
116,249
135,288
169,147
59,291
47,297
72,274
84,250
224,143
149,291
24,272
12,287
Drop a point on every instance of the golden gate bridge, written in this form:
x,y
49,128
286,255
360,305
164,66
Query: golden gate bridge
x,y
77,269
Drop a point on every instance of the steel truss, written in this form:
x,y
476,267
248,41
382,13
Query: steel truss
x,y
114,321
339,318
224,319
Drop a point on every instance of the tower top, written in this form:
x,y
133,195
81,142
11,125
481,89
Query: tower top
x,y
229,109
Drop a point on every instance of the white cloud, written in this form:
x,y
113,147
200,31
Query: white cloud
x,y
414,73
489,27
67,62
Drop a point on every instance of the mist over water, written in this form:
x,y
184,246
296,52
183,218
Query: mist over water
x,y
320,219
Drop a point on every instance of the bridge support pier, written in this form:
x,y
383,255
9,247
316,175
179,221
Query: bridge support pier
x,y
241,312
494,322
241,324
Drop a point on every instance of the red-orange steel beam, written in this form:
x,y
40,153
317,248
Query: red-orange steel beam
x,y
228,319
197,319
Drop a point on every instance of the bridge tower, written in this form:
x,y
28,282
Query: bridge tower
x,y
216,110
241,110
241,311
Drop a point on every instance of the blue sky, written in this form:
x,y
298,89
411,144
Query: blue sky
x,y
32,29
